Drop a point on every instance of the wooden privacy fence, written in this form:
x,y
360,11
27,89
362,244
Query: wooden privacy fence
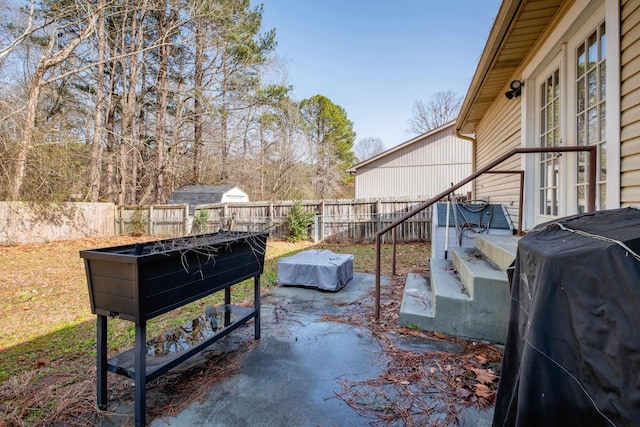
x,y
38,222
335,220
363,228
153,220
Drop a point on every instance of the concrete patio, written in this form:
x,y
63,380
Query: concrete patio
x,y
292,376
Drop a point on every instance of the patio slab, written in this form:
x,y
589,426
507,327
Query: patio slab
x,y
293,374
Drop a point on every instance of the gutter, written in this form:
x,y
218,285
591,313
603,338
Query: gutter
x,y
457,133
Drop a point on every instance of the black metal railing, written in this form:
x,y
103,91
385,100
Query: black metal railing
x,y
591,199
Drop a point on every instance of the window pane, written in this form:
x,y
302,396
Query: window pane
x,y
603,122
603,81
592,84
592,123
556,84
603,42
580,93
543,175
581,199
602,200
592,55
603,162
580,70
582,165
581,130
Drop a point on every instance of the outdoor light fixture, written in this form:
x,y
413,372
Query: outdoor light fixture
x,y
516,89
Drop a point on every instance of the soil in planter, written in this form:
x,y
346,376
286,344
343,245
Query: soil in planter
x,y
185,243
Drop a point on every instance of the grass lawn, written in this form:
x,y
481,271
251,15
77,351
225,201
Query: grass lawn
x,y
47,331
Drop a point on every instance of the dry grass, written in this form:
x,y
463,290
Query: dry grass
x,y
47,331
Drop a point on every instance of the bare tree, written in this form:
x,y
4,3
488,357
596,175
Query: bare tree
x,y
26,33
368,147
443,108
52,56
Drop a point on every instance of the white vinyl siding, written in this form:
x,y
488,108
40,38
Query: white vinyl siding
x,y
630,102
498,132
422,168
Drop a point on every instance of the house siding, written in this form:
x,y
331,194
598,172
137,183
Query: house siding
x,y
498,132
423,168
630,102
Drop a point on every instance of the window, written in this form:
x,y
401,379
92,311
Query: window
x,y
549,137
591,113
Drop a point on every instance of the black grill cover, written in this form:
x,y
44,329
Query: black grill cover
x,y
572,355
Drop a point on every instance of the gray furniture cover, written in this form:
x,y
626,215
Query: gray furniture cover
x,y
316,268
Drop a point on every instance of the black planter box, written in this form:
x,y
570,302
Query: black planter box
x,y
141,281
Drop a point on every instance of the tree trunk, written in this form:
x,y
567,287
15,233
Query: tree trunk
x,y
27,135
198,110
164,31
96,144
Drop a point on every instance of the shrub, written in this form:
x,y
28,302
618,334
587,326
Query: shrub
x,y
200,222
299,222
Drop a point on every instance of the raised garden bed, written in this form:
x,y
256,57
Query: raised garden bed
x,y
141,281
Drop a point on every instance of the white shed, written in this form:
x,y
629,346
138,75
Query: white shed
x,y
421,167
207,194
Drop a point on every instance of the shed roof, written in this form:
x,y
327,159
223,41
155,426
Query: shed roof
x,y
515,34
353,168
200,194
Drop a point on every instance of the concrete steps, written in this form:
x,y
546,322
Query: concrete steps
x,y
465,296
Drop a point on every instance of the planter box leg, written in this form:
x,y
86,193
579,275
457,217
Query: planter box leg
x,y
227,303
256,305
141,374
101,361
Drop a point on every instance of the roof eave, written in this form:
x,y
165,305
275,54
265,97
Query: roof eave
x,y
501,25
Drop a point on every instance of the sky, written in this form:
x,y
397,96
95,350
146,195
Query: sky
x,y
376,58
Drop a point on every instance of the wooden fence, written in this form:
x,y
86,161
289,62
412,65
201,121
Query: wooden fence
x,y
335,220
38,222
153,220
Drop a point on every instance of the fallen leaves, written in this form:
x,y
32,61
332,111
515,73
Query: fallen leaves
x,y
422,388
484,391
484,376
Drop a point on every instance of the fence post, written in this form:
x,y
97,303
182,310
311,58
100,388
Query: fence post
x,y
117,227
322,212
185,214
151,229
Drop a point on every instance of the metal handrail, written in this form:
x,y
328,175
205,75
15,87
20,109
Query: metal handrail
x,y
591,197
